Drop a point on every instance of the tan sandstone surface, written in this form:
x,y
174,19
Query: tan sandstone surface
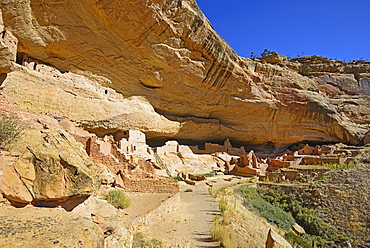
x,y
33,227
47,168
167,52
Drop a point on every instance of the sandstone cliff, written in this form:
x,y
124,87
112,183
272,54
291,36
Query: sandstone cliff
x,y
168,52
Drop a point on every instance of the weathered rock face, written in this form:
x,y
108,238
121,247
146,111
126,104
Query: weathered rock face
x,y
41,227
8,49
168,52
96,108
52,169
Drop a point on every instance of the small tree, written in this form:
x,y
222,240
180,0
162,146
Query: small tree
x,y
267,52
9,130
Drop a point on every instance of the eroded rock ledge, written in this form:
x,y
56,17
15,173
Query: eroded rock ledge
x,y
167,52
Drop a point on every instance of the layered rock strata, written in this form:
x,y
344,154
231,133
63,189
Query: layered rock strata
x,y
168,52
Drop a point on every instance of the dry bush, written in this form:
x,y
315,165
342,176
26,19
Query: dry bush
x,y
10,130
226,218
225,234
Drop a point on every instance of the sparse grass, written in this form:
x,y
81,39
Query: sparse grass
x,y
209,174
10,130
330,166
224,233
210,191
117,198
141,241
223,205
226,217
340,166
222,229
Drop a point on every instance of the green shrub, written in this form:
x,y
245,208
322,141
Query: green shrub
x,y
188,190
177,178
210,174
223,205
267,52
274,214
271,213
9,130
320,231
117,198
210,191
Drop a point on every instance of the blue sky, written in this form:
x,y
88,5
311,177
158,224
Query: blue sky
x,y
336,29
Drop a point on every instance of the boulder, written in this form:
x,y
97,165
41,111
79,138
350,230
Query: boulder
x,y
106,176
274,240
11,185
54,169
298,230
40,227
13,188
274,58
108,218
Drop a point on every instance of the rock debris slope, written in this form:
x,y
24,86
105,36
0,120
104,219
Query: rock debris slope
x,y
168,52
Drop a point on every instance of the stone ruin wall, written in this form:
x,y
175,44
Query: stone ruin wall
x,y
151,185
172,147
210,148
132,175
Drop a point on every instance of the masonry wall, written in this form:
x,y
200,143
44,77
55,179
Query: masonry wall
x,y
151,185
279,163
210,148
322,160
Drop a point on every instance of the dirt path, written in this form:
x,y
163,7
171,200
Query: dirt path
x,y
190,225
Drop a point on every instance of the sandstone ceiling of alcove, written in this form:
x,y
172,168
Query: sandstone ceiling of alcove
x,y
168,52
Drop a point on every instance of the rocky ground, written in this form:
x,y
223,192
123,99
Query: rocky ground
x,y
37,227
344,202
